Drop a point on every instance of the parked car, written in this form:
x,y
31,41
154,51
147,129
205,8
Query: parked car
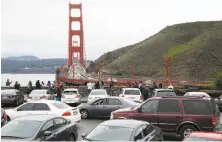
x,y
103,107
132,93
163,92
181,115
41,94
97,94
200,94
204,137
4,117
12,97
39,128
45,107
124,130
71,96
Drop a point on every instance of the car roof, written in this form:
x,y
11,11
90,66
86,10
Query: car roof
x,y
194,93
11,90
71,89
182,98
44,101
98,90
131,88
209,135
38,117
163,89
128,123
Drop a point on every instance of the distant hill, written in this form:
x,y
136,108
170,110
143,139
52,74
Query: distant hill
x,y
196,49
31,65
23,58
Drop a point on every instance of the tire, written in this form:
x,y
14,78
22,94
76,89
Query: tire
x,y
72,137
84,114
8,118
186,130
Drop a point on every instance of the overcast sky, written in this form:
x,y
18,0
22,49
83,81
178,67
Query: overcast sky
x,y
40,27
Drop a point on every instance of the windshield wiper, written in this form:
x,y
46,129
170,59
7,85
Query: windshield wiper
x,y
15,137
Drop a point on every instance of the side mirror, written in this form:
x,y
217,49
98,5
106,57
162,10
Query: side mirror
x,y
47,133
83,135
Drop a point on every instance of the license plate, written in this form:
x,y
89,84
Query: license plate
x,y
69,102
131,97
75,112
36,98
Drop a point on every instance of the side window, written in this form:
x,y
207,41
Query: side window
x,y
169,106
26,107
48,126
150,106
40,107
59,122
198,107
101,102
138,134
114,102
147,129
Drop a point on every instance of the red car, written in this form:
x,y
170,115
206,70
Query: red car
x,y
180,115
204,136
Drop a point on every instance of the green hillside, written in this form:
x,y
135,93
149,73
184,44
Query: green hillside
x,y
196,49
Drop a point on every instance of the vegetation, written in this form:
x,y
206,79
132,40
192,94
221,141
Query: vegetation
x,y
195,48
218,81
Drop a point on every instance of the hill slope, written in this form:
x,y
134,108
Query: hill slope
x,y
196,49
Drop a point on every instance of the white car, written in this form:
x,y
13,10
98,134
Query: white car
x,y
133,94
97,94
51,107
40,94
197,94
71,96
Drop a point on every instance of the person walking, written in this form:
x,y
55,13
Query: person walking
x,y
37,85
30,88
8,83
58,87
145,93
89,87
97,86
17,85
49,84
42,83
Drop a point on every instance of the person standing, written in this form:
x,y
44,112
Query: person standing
x,y
101,84
17,85
58,87
89,87
49,84
8,83
30,87
37,85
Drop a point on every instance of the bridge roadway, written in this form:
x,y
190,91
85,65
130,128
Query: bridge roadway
x,y
86,125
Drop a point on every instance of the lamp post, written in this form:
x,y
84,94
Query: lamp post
x,y
168,74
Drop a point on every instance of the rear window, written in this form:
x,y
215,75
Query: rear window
x,y
132,92
200,139
70,92
198,107
165,93
8,92
60,105
98,92
38,92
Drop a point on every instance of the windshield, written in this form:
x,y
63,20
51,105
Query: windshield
x,y
34,92
60,105
7,92
200,139
132,92
165,93
200,95
98,92
20,128
110,133
70,92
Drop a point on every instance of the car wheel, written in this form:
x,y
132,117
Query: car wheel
x,y
186,130
84,113
72,137
8,119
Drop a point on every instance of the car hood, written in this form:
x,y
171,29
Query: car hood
x,y
124,110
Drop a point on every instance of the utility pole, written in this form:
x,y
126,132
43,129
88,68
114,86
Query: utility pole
x,y
168,74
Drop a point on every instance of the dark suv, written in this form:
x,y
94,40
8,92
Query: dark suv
x,y
181,115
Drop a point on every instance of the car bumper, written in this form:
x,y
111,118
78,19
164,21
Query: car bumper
x,y
74,118
71,101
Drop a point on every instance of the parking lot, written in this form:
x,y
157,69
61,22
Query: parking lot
x,y
86,125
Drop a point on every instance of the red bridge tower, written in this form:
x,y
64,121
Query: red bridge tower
x,y
76,47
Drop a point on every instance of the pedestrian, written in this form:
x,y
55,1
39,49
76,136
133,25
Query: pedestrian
x,y
8,83
42,83
17,85
135,85
49,84
58,87
141,87
101,84
160,85
30,87
89,87
37,85
145,93
111,87
97,86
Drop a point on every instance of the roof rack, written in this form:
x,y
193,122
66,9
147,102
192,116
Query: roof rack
x,y
183,96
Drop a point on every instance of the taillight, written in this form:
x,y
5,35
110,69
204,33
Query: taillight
x,y
5,116
62,96
43,97
66,114
141,98
78,96
213,120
